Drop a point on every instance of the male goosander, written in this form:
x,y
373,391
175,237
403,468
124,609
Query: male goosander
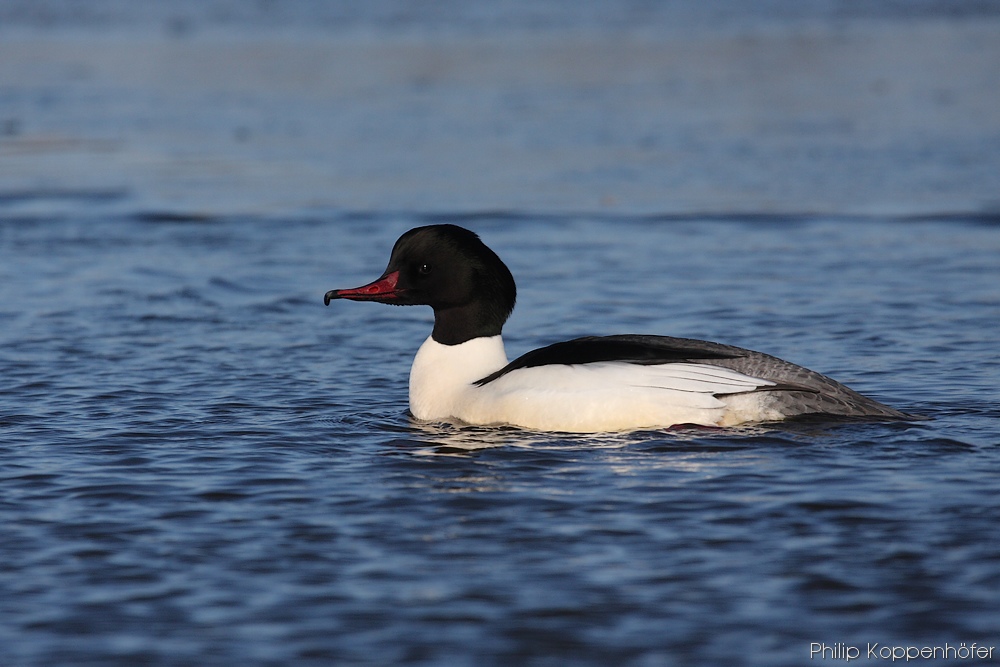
x,y
592,384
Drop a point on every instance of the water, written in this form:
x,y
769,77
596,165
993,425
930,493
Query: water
x,y
558,107
201,464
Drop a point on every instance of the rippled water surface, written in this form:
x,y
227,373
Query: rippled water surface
x,y
200,464
203,465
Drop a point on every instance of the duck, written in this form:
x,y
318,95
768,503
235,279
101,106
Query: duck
x,y
593,384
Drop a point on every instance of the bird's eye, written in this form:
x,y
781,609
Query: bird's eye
x,y
424,269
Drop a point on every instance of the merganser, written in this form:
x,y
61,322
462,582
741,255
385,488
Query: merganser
x,y
585,385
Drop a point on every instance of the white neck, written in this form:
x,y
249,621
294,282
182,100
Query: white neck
x,y
442,375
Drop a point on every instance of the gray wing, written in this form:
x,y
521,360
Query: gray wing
x,y
798,391
821,395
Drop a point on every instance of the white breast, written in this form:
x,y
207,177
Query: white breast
x,y
442,375
606,396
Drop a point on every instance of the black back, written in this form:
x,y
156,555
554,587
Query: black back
x,y
628,348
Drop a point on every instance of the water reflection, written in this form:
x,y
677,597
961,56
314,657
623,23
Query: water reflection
x,y
457,439
460,439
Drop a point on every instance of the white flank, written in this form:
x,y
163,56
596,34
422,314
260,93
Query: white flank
x,y
605,396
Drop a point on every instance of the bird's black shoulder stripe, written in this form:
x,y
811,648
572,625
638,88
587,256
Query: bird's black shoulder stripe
x,y
632,349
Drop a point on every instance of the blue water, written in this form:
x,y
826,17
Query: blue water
x,y
203,465
200,464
